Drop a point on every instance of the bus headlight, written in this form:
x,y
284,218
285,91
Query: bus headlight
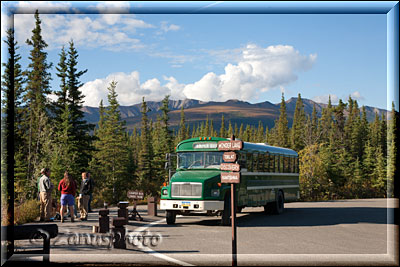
x,y
165,192
215,192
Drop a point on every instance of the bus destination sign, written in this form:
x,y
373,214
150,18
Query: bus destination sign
x,y
208,145
230,177
230,145
229,156
233,167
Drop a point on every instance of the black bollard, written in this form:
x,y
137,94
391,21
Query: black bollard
x,y
123,211
104,221
119,232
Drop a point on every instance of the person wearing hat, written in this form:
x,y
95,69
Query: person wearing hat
x,y
45,188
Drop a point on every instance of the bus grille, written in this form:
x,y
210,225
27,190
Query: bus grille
x,y
186,190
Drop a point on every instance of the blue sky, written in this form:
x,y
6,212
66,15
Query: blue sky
x,y
214,57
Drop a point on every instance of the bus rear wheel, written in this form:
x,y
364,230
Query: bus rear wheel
x,y
171,216
277,206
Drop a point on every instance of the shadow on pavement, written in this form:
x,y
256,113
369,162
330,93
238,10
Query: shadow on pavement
x,y
299,217
317,217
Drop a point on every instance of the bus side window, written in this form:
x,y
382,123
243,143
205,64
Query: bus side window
x,y
266,162
285,164
256,167
297,165
241,160
293,165
249,162
277,163
261,157
272,163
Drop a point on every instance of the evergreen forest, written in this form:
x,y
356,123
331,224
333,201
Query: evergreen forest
x,y
342,155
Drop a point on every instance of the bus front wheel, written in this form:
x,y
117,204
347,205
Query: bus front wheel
x,y
171,217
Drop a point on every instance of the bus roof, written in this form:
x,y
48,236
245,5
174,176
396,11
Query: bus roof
x,y
189,145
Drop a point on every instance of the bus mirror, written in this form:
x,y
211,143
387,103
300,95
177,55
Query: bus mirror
x,y
167,156
166,165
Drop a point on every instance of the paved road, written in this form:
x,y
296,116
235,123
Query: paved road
x,y
335,232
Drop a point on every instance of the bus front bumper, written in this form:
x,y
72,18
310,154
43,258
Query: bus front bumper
x,y
192,205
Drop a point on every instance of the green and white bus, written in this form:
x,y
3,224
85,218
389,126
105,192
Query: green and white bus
x,y
269,177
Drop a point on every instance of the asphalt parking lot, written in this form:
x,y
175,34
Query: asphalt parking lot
x,y
343,232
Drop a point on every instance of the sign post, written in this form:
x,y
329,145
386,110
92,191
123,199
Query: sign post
x,y
232,177
133,194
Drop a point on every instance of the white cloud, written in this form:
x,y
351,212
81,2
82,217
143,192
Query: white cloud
x,y
259,70
357,96
107,31
335,99
169,27
129,89
325,98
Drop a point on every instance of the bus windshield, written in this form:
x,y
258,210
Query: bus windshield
x,y
199,160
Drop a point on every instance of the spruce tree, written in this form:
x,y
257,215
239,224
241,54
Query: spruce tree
x,y
167,133
63,92
374,131
12,126
37,89
230,130
392,129
260,138
182,133
159,150
282,130
314,125
299,120
338,125
325,122
222,130
144,171
113,150
75,97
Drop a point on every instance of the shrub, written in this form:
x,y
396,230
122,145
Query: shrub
x,y
27,212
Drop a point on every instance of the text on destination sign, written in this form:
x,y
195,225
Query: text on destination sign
x,y
234,167
230,177
229,156
230,145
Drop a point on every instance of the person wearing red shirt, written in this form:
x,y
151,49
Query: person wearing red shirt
x,y
67,186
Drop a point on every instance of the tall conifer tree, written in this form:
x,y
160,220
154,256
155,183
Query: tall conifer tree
x,y
37,90
282,130
299,120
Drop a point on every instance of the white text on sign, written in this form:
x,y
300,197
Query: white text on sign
x,y
230,177
233,167
230,145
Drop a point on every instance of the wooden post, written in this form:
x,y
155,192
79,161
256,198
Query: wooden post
x,y
233,209
234,241
232,177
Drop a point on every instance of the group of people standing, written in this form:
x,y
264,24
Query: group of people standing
x,y
68,188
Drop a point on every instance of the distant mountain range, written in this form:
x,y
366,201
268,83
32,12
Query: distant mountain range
x,y
235,111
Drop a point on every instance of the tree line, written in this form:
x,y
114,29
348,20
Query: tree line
x,y
342,155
